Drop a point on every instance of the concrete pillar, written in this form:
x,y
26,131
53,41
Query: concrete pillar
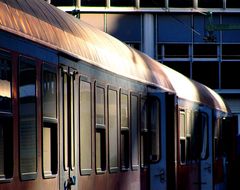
x,y
148,34
195,4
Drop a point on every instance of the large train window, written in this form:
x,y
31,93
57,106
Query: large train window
x,y
204,136
124,112
49,130
144,134
6,128
200,136
113,129
154,122
27,119
85,126
100,143
134,131
186,140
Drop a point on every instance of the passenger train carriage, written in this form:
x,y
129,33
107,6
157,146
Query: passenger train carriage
x,y
80,110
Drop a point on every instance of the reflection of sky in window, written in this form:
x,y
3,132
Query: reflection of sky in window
x,y
5,90
27,90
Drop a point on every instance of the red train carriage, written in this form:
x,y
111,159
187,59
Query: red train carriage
x,y
81,110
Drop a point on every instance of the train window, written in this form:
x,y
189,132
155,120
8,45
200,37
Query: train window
x,y
27,119
85,127
204,136
217,139
6,128
113,129
100,130
49,97
124,111
200,135
154,129
182,129
144,134
134,131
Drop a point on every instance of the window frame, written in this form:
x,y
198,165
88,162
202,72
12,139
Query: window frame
x,y
125,131
33,174
52,124
144,132
113,169
101,129
134,166
7,116
87,171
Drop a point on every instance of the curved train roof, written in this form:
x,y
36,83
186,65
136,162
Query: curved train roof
x,y
43,23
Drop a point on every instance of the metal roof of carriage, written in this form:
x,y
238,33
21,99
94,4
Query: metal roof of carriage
x,y
45,24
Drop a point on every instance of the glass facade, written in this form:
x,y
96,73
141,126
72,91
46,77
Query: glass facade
x,y
182,39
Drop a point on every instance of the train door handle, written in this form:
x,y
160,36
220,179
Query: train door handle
x,y
161,176
69,183
208,168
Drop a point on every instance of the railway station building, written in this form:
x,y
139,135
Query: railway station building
x,y
199,38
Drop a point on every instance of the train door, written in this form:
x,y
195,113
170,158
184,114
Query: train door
x,y
206,144
157,122
68,169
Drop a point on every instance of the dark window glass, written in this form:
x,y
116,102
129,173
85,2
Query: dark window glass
x,y
182,67
49,89
85,127
6,128
200,136
176,51
204,136
180,3
122,3
144,134
113,130
231,51
27,119
98,3
152,3
154,129
134,132
206,73
233,4
205,51
124,132
5,85
229,75
100,130
210,3
49,94
63,2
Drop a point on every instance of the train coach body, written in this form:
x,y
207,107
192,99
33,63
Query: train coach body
x,y
81,110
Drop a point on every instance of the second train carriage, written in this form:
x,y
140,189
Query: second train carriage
x,y
81,110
